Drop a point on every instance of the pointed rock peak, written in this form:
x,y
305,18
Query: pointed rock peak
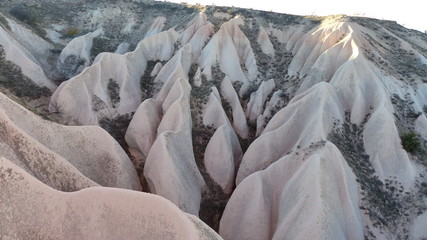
x,y
223,152
181,60
316,181
257,100
198,78
321,52
199,22
307,119
264,41
98,32
85,98
142,130
156,69
175,69
215,93
172,151
77,52
37,46
176,109
159,46
239,119
231,49
122,48
232,24
214,113
197,33
273,105
179,90
156,27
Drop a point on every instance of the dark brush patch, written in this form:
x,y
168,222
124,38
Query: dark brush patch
x,y
12,78
386,203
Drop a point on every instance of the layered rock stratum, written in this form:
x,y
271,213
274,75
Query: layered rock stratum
x,y
153,120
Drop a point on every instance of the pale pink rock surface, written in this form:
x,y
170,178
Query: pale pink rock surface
x,y
32,210
63,157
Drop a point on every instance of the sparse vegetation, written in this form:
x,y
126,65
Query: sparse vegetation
x,y
200,95
192,71
99,45
251,89
199,98
406,114
71,32
410,142
197,6
25,14
69,67
227,108
117,127
213,199
148,87
384,202
390,55
16,82
113,92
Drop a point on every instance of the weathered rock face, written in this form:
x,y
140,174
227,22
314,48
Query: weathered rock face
x,y
32,210
230,48
223,152
304,195
257,100
95,101
286,131
165,122
239,120
76,55
10,40
65,158
297,127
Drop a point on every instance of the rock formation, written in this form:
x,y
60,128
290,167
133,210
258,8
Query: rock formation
x,y
262,125
223,152
23,58
76,55
31,209
126,70
303,195
65,158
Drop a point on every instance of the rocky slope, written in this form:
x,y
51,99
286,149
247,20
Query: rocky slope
x,y
263,125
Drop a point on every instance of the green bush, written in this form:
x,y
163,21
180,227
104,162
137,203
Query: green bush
x,y
410,142
71,32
